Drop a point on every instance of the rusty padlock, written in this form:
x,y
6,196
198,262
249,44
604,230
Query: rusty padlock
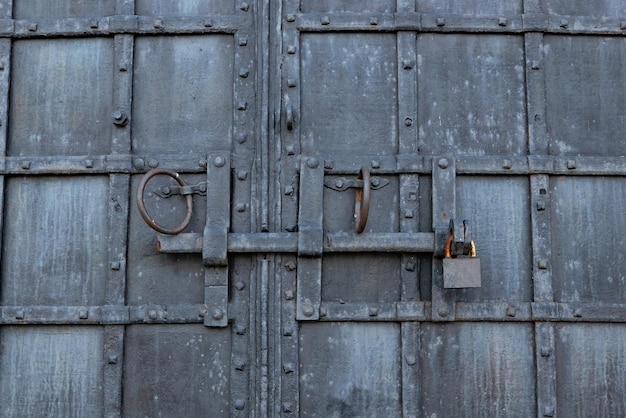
x,y
460,272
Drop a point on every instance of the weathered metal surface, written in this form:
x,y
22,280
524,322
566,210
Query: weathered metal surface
x,y
505,113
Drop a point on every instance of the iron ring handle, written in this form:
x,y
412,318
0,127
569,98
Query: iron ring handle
x,y
362,201
141,204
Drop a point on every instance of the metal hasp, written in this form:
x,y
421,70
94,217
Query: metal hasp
x,y
461,266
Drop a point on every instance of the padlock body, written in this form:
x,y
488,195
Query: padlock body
x,y
460,273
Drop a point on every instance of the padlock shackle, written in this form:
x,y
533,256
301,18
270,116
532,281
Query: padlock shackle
x,y
447,248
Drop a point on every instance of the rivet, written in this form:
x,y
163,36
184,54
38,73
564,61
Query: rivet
x,y
571,164
240,365
373,311
289,295
541,205
243,41
152,163
548,411
373,21
219,161
291,17
123,65
313,163
202,163
240,207
93,24
289,190
441,21
375,182
158,23
240,285
242,105
413,196
287,407
308,310
120,117
116,265
564,23
329,164
241,138
408,64
290,149
410,266
208,23
291,82
375,164
325,20
408,121
83,314
240,404
288,368
152,314
443,163
290,266
339,183
534,65
217,314
19,314
242,175
244,6
443,312
291,49
288,331
578,313
511,311
112,359
88,163
26,165
542,264
1,65
410,360
323,311
244,72
503,21
506,164
546,351
203,311
240,330
139,163
32,27
408,213
291,228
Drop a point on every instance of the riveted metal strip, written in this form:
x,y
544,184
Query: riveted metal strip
x,y
287,152
310,239
444,209
541,238
545,359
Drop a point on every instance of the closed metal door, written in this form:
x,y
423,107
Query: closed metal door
x,y
301,162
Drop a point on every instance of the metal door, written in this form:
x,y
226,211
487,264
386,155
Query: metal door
x,y
269,116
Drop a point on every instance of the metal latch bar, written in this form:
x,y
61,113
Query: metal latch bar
x,y
287,242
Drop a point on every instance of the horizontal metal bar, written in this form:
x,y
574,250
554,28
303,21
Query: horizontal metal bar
x,y
102,315
288,242
378,165
455,23
124,24
420,311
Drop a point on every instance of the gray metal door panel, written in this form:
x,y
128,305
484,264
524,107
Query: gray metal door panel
x,y
504,113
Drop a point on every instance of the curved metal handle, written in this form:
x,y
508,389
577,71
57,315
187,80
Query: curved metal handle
x,y
289,113
362,201
141,204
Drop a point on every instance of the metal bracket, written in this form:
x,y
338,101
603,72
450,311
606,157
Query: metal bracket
x,y
169,191
342,184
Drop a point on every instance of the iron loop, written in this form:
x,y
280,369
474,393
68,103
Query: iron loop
x,y
362,201
141,204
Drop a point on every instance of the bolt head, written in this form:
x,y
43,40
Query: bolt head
x,y
375,181
219,161
313,163
339,184
443,312
240,285
152,314
289,295
240,404
112,359
308,310
217,314
443,163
